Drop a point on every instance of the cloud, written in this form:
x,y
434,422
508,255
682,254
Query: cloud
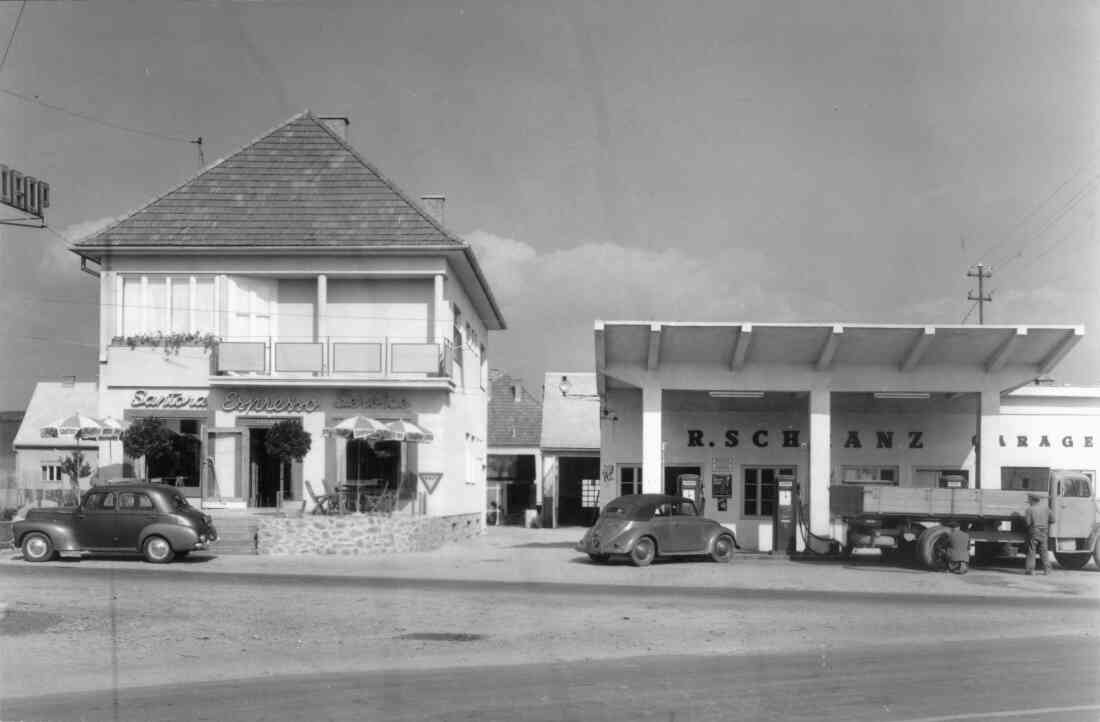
x,y
551,300
56,251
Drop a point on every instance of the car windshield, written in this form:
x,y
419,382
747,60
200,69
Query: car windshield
x,y
180,502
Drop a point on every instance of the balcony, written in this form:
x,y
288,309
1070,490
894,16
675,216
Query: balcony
x,y
332,361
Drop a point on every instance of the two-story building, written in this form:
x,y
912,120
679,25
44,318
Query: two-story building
x,y
292,280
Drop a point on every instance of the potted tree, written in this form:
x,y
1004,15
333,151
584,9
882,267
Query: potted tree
x,y
74,466
287,441
147,437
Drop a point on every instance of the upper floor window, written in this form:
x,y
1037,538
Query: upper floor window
x,y
168,304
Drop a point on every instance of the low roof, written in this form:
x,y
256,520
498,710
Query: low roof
x,y
53,400
515,416
570,418
1031,350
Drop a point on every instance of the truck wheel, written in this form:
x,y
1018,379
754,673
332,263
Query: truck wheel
x,y
932,548
37,547
157,550
643,553
1072,560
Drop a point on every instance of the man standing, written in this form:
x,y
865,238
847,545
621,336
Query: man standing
x,y
1038,519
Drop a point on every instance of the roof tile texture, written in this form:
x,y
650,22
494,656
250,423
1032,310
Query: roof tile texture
x,y
512,421
298,185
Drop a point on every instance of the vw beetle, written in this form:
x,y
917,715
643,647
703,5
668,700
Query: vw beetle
x,y
643,527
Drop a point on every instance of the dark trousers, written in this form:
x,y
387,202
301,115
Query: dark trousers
x,y
1037,544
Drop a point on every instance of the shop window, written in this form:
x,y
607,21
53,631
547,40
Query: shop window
x,y
630,480
1025,478
941,478
885,475
759,490
375,461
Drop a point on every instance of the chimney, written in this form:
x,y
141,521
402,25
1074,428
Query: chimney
x,y
338,124
516,396
434,205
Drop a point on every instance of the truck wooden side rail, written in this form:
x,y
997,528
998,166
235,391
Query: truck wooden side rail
x,y
910,521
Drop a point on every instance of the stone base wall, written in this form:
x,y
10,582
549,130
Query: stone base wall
x,y
362,534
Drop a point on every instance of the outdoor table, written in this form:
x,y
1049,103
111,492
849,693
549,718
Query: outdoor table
x,y
360,490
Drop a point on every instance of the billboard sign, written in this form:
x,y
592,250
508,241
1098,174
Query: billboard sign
x,y
23,192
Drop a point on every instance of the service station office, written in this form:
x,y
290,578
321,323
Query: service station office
x,y
730,411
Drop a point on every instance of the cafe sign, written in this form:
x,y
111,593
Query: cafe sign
x,y
277,404
370,401
143,399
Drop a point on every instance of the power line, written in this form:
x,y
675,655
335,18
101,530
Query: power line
x,y
93,119
1076,199
1034,211
12,37
972,307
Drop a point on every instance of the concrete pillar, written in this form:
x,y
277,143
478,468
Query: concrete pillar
x,y
820,463
652,439
341,460
321,324
439,315
987,462
110,311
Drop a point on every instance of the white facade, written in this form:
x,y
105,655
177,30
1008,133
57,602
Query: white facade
x,y
265,305
740,405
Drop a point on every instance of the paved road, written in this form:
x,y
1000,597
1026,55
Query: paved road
x,y
181,574
1052,679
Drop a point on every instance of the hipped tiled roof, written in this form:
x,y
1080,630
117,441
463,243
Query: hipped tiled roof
x,y
512,421
298,185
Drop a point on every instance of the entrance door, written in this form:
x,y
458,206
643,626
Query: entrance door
x,y
264,472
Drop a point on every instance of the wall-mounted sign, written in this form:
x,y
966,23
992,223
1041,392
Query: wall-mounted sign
x,y
235,401
721,485
370,401
24,192
146,400
1023,441
791,438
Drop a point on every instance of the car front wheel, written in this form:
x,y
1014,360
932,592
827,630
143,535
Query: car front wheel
x,y
644,552
157,550
37,547
722,550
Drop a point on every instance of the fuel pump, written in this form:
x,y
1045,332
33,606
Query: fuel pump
x,y
785,521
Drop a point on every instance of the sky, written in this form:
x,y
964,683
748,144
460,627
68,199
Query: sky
x,y
769,161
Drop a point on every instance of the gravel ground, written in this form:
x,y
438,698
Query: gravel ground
x,y
86,632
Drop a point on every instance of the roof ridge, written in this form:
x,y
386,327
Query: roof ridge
x,y
388,183
190,179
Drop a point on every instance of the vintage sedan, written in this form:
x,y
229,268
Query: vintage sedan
x,y
153,519
643,527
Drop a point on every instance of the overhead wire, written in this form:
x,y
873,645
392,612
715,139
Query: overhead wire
x,y
93,119
11,38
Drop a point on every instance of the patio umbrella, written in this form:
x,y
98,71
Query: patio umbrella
x,y
78,425
403,430
359,427
110,429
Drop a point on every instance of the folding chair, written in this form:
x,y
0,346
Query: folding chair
x,y
323,504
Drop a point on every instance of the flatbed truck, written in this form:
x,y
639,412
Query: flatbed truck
x,y
912,521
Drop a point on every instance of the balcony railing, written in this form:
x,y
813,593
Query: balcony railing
x,y
288,357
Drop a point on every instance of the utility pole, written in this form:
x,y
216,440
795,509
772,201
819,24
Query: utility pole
x,y
982,298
